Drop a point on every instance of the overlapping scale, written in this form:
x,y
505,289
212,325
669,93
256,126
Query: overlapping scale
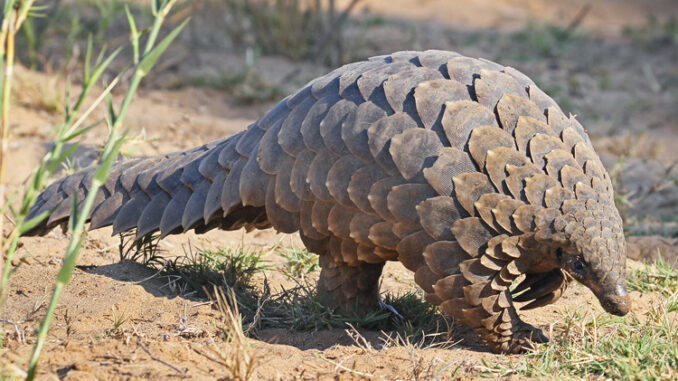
x,y
339,177
451,162
485,138
462,117
444,257
410,250
403,199
399,87
471,234
379,138
542,144
511,108
437,215
469,187
413,150
360,184
497,160
431,96
491,85
486,205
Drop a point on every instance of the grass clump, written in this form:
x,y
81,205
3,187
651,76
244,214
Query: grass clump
x,y
660,278
234,268
144,249
298,262
238,265
421,322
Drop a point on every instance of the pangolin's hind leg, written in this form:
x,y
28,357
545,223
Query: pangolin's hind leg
x,y
351,290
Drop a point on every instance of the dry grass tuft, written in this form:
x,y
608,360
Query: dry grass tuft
x,y
239,357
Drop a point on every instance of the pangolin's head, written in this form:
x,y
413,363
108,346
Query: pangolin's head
x,y
585,239
599,263
592,249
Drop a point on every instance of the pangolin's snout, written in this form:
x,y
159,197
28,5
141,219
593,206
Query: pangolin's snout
x,y
616,302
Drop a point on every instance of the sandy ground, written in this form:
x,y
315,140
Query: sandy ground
x,y
171,335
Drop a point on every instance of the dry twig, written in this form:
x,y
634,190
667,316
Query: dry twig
x,y
140,344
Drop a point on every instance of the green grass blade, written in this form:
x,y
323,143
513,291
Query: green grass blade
x,y
134,34
108,157
88,59
54,164
149,60
88,85
81,131
33,222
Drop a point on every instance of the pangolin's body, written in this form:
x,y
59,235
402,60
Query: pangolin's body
x,y
461,169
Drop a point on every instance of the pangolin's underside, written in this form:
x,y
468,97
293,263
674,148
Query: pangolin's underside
x,y
461,169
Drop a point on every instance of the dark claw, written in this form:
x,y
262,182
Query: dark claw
x,y
548,298
540,302
547,284
529,280
526,337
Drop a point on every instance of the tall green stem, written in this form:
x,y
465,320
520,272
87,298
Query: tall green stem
x,y
79,217
8,43
15,13
42,333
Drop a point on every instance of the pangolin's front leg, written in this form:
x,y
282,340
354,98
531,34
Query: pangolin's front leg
x,y
481,299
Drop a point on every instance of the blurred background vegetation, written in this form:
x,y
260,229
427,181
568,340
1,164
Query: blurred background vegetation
x,y
248,46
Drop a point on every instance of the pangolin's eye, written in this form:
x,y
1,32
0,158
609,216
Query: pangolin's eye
x,y
579,266
559,253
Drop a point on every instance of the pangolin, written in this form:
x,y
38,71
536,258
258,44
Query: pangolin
x,y
461,169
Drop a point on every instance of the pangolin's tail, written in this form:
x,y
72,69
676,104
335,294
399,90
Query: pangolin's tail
x,y
195,189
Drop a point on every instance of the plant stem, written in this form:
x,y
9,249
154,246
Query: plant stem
x,y
66,271
134,84
14,241
78,218
40,342
8,44
15,13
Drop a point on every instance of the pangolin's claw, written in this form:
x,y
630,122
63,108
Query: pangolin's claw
x,y
547,284
530,279
540,302
526,337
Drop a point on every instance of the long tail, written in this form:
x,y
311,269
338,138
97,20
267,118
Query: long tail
x,y
194,189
